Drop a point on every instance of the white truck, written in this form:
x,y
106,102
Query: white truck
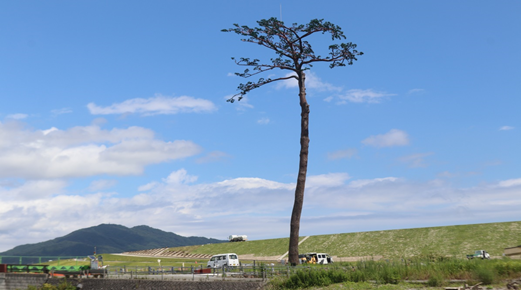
x,y
479,254
238,238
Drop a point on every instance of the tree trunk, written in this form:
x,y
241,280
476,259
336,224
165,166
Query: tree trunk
x,y
302,171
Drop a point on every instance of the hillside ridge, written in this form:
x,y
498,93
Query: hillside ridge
x,y
107,238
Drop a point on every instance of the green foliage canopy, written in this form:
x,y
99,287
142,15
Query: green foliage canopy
x,y
293,51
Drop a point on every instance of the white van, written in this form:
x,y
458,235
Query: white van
x,y
218,261
315,258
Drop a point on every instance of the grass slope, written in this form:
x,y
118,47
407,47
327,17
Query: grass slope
x,y
262,248
450,240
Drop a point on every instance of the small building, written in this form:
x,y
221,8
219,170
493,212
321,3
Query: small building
x,y
513,252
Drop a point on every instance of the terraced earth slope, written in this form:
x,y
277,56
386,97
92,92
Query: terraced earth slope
x,y
449,240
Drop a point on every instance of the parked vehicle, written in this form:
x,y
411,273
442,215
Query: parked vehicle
x,y
218,261
238,238
315,258
479,254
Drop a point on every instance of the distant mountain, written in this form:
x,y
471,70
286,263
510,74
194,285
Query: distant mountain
x,y
107,238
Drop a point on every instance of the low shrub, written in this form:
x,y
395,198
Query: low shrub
x,y
485,275
436,280
357,276
437,273
64,285
508,268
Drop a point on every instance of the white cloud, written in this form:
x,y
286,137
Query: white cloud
x,y
148,186
52,129
361,96
83,151
99,121
244,183
327,180
263,121
353,95
394,137
179,177
371,182
312,82
213,156
257,207
447,174
17,116
102,184
340,154
155,106
510,182
415,160
506,128
34,189
149,151
416,91
61,111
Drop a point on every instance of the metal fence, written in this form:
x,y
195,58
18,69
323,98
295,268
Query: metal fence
x,y
254,270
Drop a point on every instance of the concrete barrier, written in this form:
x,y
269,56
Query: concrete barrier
x,y
14,281
143,284
18,281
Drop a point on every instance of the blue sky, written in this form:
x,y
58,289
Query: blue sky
x,y
116,112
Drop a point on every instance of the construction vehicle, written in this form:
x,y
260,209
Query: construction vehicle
x,y
479,254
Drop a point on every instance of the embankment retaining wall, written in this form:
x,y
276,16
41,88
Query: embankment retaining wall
x,y
13,281
143,284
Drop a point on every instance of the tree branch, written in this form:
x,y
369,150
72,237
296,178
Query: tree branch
x,y
245,88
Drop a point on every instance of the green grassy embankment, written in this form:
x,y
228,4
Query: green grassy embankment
x,y
449,240
260,248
